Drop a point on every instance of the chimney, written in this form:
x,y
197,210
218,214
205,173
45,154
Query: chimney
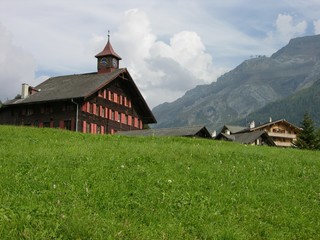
x,y
252,124
270,119
24,90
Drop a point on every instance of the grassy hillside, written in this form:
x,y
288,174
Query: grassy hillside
x,y
62,185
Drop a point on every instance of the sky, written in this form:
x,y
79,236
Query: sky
x,y
168,47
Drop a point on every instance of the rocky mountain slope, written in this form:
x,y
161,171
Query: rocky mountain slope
x,y
291,108
247,88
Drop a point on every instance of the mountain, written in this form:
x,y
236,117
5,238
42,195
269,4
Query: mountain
x,y
291,108
250,86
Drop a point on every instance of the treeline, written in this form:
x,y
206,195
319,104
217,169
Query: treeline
x,y
291,108
309,138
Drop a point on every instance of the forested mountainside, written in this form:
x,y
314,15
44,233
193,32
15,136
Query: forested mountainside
x,y
291,108
249,87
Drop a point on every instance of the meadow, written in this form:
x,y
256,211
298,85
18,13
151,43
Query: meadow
x,y
58,184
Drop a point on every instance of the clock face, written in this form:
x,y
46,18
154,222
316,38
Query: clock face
x,y
114,62
103,60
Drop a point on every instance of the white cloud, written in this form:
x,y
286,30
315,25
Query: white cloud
x,y
316,25
16,66
286,29
162,71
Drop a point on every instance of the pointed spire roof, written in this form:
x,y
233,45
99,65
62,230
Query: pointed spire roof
x,y
108,50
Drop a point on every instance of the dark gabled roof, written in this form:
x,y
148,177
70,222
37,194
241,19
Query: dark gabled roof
x,y
250,137
224,136
233,129
83,86
188,131
262,126
68,87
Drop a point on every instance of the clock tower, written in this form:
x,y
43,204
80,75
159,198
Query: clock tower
x,y
108,59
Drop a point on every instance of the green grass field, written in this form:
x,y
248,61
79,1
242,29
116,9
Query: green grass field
x,y
63,185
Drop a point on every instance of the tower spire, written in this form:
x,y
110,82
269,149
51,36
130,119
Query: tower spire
x,y
107,59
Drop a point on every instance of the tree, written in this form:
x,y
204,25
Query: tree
x,y
318,139
307,139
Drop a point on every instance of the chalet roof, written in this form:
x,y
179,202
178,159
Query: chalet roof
x,y
83,86
188,131
264,125
250,137
68,87
108,50
233,129
225,136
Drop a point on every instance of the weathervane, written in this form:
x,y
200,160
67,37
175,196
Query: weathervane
x,y
108,35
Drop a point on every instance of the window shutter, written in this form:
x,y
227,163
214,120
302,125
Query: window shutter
x,y
84,126
88,107
94,108
84,107
61,124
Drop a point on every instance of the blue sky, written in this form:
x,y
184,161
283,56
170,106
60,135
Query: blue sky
x,y
168,47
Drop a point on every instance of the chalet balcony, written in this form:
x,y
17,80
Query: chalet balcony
x,y
282,135
283,144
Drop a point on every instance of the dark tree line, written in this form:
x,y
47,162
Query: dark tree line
x,y
309,138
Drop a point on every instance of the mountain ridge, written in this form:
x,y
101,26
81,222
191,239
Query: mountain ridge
x,y
250,86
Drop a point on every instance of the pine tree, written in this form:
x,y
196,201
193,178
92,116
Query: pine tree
x,y
318,139
307,139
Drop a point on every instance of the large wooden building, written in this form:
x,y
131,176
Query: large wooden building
x,y
102,102
279,133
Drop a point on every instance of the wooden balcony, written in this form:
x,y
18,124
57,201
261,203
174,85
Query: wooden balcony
x,y
283,144
282,135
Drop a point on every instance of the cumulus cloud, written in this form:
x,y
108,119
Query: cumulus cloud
x,y
316,25
286,28
16,66
163,71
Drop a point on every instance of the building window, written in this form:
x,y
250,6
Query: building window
x,y
56,124
88,127
98,130
102,112
98,110
67,124
29,111
46,124
126,119
112,115
90,107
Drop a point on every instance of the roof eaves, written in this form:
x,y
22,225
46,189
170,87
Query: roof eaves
x,y
108,81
